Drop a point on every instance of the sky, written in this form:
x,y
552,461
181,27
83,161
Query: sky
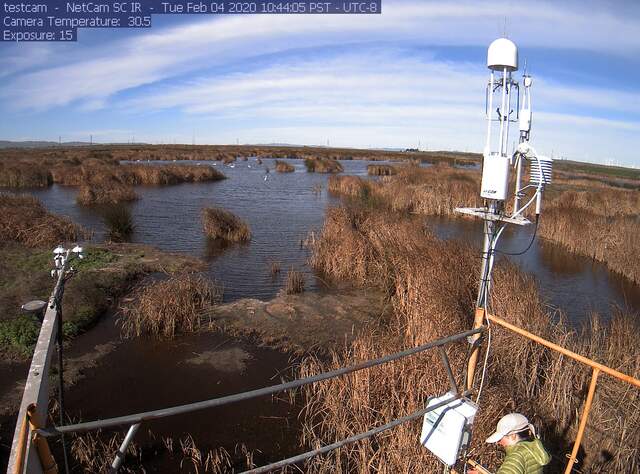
x,y
412,76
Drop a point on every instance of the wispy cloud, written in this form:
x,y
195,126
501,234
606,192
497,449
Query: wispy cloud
x,y
359,80
166,53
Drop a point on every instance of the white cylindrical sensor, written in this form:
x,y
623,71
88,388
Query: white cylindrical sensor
x,y
495,177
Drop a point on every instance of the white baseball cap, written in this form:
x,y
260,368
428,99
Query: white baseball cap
x,y
509,424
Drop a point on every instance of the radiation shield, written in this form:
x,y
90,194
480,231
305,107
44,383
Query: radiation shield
x,y
447,429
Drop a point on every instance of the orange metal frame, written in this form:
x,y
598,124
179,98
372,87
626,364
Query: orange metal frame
x,y
596,369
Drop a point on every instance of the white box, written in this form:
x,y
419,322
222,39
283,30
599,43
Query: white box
x,y
446,429
495,177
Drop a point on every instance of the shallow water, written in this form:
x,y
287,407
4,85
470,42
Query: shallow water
x,y
282,208
572,283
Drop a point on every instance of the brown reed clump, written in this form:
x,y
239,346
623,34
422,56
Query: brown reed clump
x,y
284,167
166,308
381,170
429,191
111,193
275,268
295,282
219,223
322,165
169,174
24,174
25,220
431,286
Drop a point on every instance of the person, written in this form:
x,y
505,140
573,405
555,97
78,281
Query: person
x,y
525,452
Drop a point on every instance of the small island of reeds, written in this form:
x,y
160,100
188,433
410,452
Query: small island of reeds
x,y
284,167
322,165
221,224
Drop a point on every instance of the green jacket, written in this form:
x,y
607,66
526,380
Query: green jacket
x,y
525,457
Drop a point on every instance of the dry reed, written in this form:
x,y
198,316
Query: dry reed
x,y
431,285
169,307
284,167
221,224
321,165
19,175
428,191
294,283
380,170
275,268
111,193
25,220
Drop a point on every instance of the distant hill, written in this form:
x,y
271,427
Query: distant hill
x,y
45,144
38,144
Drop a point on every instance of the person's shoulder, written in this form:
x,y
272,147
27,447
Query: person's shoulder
x,y
515,462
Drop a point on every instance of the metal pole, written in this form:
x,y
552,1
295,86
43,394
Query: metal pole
x,y
583,421
61,381
122,451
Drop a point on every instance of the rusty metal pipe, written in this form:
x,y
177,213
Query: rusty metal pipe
x,y
585,360
583,420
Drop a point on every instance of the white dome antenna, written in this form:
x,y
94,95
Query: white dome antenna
x,y
502,54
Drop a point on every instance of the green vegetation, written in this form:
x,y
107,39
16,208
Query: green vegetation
x,y
95,258
106,272
20,334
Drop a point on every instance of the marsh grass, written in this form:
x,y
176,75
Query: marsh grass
x,y
105,193
19,175
166,308
275,268
435,191
294,283
95,451
284,167
380,170
323,165
431,287
25,220
119,222
221,224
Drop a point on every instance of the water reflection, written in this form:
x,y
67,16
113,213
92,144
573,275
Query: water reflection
x,y
575,284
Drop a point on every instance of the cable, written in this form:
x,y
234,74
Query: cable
x,y
533,238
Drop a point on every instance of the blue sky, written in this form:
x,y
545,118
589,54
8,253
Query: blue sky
x,y
415,73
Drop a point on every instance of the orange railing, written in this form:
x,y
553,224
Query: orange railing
x,y
596,367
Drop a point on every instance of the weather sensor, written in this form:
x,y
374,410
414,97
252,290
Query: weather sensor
x,y
447,430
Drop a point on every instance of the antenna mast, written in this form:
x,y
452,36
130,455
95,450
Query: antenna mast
x,y
502,61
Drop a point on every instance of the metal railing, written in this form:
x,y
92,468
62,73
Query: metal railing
x,y
596,368
30,451
31,430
